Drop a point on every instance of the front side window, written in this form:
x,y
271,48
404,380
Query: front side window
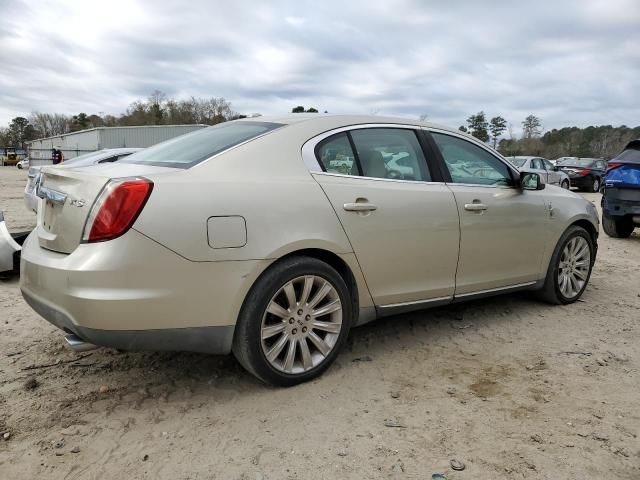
x,y
470,164
390,153
537,164
547,164
192,148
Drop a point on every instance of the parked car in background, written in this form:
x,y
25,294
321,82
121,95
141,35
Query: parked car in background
x,y
10,246
245,237
584,173
621,194
543,167
22,164
106,155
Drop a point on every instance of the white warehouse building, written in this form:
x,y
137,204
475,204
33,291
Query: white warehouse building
x,y
86,141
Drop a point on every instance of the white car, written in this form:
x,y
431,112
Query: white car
x,y
105,155
22,164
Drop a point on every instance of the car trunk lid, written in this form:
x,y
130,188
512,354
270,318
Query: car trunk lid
x,y
68,195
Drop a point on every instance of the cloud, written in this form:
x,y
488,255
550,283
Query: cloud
x,y
570,63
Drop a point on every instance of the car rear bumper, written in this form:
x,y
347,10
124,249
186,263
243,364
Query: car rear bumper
x,y
134,294
581,182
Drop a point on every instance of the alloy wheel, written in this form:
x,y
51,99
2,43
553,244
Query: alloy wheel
x,y
573,270
596,185
301,324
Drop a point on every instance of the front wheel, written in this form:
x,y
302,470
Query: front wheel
x,y
621,228
570,267
595,185
293,322
565,184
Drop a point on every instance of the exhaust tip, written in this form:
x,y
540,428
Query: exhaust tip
x,y
77,344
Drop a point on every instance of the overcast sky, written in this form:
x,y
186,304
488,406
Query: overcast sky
x,y
568,62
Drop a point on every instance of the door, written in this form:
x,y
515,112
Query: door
x,y
502,228
537,166
402,225
553,173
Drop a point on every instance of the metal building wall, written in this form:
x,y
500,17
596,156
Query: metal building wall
x,y
85,141
142,137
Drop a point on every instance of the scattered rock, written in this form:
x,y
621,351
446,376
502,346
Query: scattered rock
x,y
31,384
59,444
451,391
529,367
457,464
395,395
366,358
601,437
398,468
6,436
343,452
75,449
393,423
103,389
59,453
536,438
145,457
601,361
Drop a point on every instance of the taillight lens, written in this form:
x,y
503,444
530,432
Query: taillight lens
x,y
116,208
612,165
583,172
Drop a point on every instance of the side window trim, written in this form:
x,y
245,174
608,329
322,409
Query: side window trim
x,y
514,174
310,158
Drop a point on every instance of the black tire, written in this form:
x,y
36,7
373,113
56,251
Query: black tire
x,y
550,291
594,186
565,184
621,228
247,342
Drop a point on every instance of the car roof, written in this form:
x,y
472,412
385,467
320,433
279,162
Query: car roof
x,y
339,120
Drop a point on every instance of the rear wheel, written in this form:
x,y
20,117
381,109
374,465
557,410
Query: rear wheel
x,y
565,184
293,322
620,227
595,185
570,267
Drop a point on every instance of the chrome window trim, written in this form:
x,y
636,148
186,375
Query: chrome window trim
x,y
360,177
477,143
309,147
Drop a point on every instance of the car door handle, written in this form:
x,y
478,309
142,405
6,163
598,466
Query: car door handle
x,y
359,207
475,207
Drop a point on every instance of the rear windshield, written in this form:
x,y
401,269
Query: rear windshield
x,y
188,150
86,156
631,156
576,163
518,162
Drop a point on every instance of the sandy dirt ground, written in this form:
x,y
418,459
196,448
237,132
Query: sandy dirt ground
x,y
512,387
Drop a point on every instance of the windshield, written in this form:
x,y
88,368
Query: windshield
x,y
518,162
188,150
576,163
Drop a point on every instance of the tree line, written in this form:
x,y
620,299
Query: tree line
x,y
158,109
603,141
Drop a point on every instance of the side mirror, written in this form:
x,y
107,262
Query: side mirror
x,y
556,168
531,181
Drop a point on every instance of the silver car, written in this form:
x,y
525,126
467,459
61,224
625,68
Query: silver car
x,y
105,155
272,238
543,167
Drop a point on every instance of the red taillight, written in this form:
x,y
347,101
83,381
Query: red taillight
x,y
116,208
584,172
612,165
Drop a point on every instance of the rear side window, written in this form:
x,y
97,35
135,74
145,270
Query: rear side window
x,y
188,150
390,153
469,164
336,155
393,153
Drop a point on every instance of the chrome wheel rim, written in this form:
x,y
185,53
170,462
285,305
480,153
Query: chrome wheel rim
x,y
301,325
596,185
573,269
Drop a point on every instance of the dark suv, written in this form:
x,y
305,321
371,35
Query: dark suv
x,y
585,173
